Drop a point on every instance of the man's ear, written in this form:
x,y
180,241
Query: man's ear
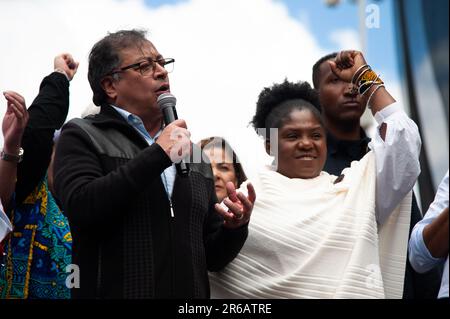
x,y
267,144
109,86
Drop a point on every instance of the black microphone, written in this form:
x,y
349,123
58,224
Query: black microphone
x,y
167,102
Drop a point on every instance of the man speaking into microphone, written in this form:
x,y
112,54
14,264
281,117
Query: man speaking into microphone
x,y
140,229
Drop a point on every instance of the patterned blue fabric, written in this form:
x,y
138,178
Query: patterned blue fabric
x,y
38,250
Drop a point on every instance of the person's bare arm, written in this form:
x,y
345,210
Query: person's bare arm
x,y
13,126
435,235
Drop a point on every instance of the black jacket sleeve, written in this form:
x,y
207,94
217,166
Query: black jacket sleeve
x,y
87,194
47,114
222,244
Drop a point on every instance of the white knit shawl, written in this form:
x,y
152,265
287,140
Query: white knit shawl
x,y
310,238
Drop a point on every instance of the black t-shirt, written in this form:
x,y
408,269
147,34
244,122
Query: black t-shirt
x,y
341,153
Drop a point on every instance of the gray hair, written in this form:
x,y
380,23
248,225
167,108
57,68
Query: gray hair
x,y
105,57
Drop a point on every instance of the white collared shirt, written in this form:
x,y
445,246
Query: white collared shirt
x,y
397,159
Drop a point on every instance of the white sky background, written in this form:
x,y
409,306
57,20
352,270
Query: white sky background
x,y
226,51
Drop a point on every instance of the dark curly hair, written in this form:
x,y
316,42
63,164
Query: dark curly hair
x,y
276,103
105,57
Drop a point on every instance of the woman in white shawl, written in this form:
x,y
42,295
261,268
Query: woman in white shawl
x,y
314,235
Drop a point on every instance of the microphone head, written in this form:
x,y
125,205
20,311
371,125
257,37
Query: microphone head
x,y
166,100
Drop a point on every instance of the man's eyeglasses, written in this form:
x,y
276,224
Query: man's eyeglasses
x,y
148,66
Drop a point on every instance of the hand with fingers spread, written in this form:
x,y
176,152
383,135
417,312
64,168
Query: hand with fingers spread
x,y
65,62
14,122
346,64
239,206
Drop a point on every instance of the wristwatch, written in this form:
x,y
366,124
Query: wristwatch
x,y
11,157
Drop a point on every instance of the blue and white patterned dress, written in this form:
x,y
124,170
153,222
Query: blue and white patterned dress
x,y
38,250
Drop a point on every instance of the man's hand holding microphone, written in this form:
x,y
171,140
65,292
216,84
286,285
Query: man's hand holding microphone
x,y
175,139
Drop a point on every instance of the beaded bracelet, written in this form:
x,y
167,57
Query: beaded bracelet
x,y
362,90
368,79
359,72
368,75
